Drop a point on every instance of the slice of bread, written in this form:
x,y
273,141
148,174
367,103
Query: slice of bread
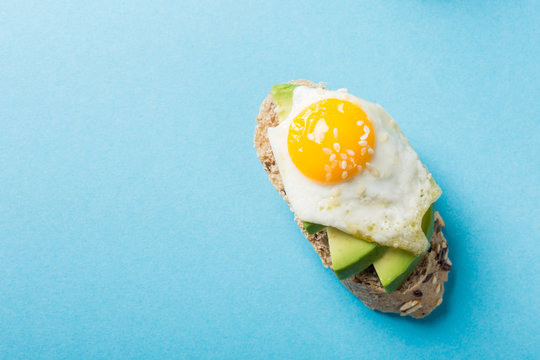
x,y
418,295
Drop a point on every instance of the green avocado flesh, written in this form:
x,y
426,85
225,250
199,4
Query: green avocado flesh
x,y
350,255
427,222
312,228
283,96
396,265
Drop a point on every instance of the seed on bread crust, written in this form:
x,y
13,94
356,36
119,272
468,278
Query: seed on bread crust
x,y
439,223
413,309
410,307
442,254
409,304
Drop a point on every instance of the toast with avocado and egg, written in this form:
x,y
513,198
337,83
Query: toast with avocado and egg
x,y
359,192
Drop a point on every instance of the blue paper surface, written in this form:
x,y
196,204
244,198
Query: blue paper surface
x,y
137,222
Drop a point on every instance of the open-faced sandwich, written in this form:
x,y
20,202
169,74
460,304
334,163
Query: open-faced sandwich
x,y
359,193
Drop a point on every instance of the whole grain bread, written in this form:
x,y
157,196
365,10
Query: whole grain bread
x,y
418,295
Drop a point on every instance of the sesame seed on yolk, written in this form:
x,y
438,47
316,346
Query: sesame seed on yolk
x,y
331,140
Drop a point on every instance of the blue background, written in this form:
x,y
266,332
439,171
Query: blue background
x,y
137,222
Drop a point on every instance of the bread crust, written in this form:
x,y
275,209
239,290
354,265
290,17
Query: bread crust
x,y
419,295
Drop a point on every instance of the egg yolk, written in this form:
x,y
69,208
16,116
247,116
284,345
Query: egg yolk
x,y
331,140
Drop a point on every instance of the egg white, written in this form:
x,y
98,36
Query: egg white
x,y
383,203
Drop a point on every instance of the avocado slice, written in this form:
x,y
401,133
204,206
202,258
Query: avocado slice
x,y
312,228
283,97
350,255
396,265
427,222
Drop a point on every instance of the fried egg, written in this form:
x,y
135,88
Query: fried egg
x,y
345,163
